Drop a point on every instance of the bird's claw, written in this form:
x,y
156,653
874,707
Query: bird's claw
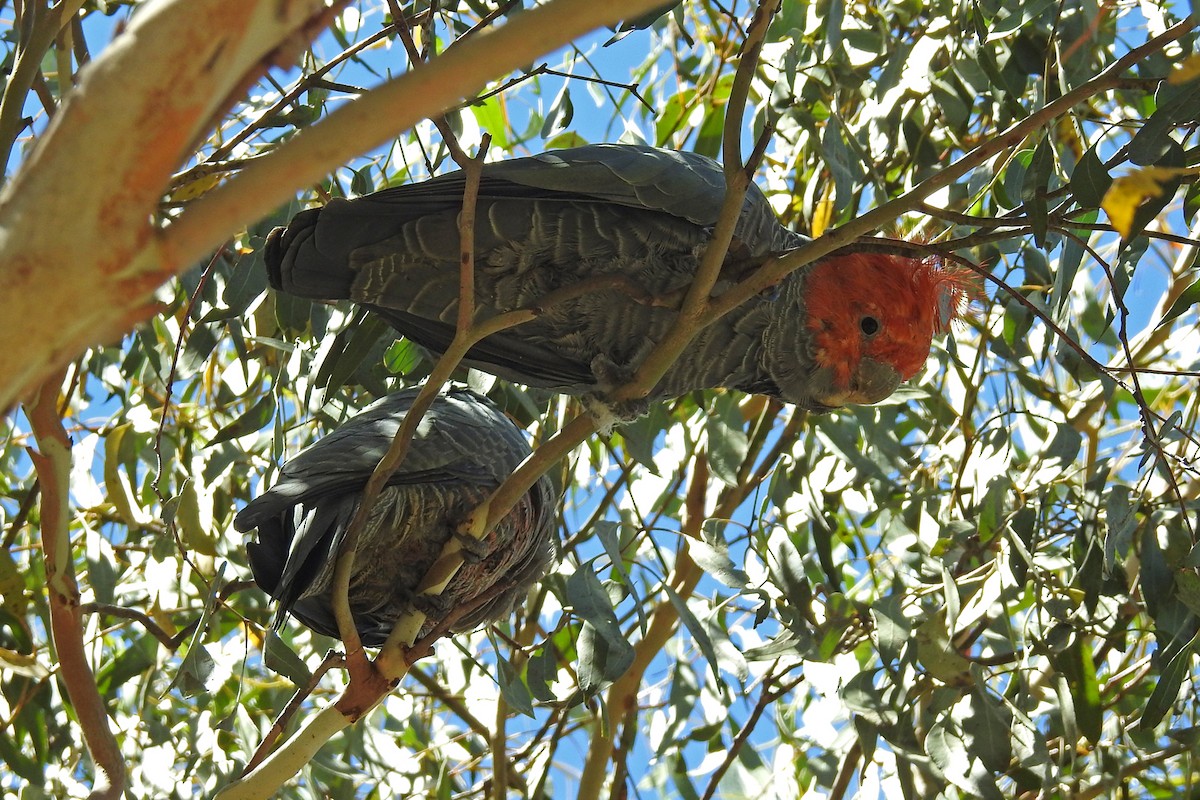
x,y
473,550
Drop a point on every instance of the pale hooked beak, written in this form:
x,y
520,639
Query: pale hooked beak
x,y
873,382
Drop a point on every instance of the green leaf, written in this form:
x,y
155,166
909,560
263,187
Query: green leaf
x,y
540,673
561,112
252,421
133,661
843,164
1090,181
402,357
892,629
864,698
489,115
787,643
352,347
987,729
703,641
992,509
196,671
596,665
1076,665
641,436
1187,299
670,117
1177,665
1014,179
1065,446
712,555
513,689
277,655
787,567
1121,522
937,655
947,749
247,280
612,655
609,534
1068,267
727,440
1036,186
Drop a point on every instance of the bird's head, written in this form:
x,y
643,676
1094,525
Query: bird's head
x,y
870,319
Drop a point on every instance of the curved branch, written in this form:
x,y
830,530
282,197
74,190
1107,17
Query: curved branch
x,y
285,762
104,163
376,116
53,464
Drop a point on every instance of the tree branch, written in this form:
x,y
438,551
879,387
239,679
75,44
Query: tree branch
x,y
104,163
53,464
396,105
774,271
46,28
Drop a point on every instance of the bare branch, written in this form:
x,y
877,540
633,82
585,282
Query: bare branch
x,y
53,464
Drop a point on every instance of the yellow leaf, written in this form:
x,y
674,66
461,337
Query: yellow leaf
x,y
1189,69
194,188
194,519
823,213
162,618
1127,193
116,483
12,585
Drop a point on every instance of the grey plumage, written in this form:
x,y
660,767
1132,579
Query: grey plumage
x,y
553,220
463,449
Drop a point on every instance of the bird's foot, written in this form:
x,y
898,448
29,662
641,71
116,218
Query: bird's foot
x,y
434,606
608,413
473,550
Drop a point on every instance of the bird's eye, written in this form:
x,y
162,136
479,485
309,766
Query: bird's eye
x,y
869,326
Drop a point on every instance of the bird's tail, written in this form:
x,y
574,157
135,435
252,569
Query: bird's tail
x,y
301,262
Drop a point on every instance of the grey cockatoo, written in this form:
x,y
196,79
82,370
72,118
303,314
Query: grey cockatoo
x,y
847,329
463,450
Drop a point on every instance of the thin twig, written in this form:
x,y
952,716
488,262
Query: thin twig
x,y
168,641
374,682
169,384
1151,434
373,118
287,98
450,701
765,698
332,659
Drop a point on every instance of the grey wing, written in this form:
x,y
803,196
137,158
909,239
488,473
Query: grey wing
x,y
488,445
684,185
341,460
451,443
301,520
310,258
543,223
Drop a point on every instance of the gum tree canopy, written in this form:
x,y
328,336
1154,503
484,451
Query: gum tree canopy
x,y
985,586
